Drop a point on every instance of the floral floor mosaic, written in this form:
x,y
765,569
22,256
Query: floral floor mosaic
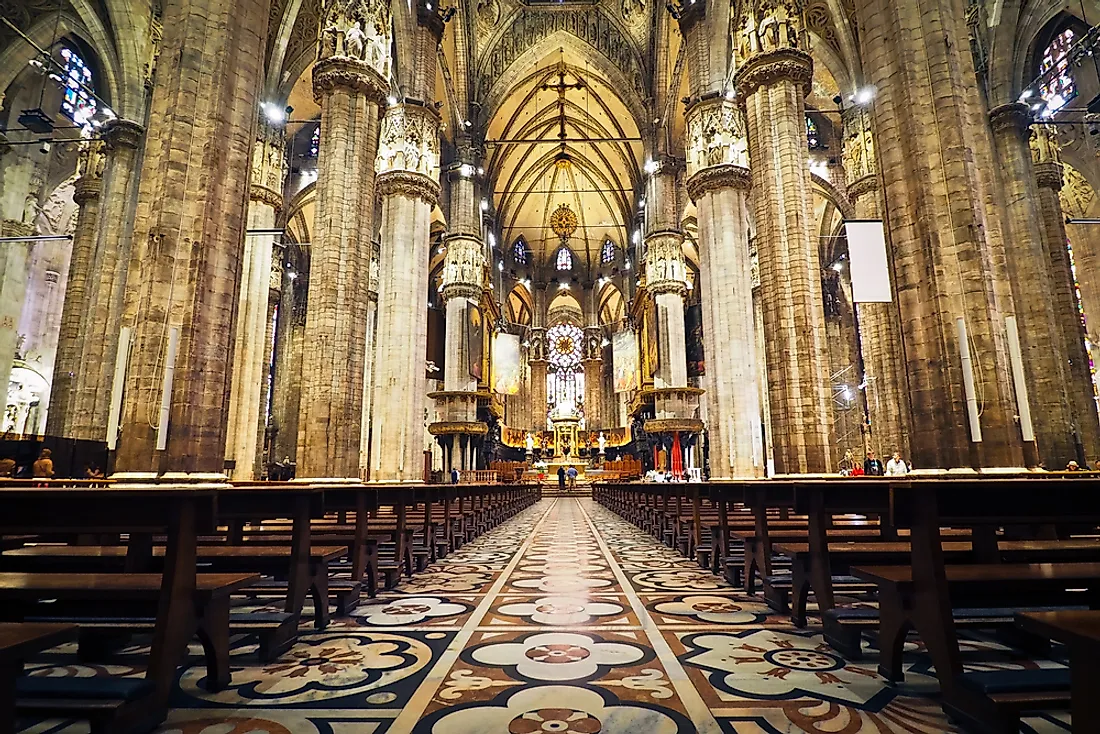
x,y
564,619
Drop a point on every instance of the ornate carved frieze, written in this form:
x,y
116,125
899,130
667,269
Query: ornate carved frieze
x,y
269,167
716,135
409,140
90,162
357,30
334,73
156,38
531,25
764,69
406,183
715,178
463,267
859,145
665,269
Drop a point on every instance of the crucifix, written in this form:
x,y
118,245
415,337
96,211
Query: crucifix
x,y
561,88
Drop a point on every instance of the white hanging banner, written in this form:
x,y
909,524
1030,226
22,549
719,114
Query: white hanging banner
x,y
869,267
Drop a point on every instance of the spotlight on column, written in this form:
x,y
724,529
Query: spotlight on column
x,y
292,275
864,95
492,240
1026,95
563,286
466,170
391,101
731,94
484,205
480,171
636,237
627,265
500,265
274,114
652,167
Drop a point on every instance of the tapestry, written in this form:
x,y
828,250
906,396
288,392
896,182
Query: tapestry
x,y
475,341
507,366
693,329
624,351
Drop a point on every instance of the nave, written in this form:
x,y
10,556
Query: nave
x,y
565,618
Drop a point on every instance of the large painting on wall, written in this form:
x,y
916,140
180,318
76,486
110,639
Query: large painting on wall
x,y
507,367
624,359
693,329
475,339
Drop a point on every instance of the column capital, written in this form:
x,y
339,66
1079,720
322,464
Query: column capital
x,y
714,178
664,262
119,133
409,184
859,145
863,186
339,72
1015,116
463,267
264,195
1049,175
716,134
768,67
89,164
408,140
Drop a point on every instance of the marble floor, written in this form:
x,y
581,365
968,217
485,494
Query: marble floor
x,y
564,619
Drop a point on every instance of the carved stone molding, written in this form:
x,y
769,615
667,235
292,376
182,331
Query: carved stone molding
x,y
859,145
463,267
412,185
343,73
122,134
1049,175
863,186
87,188
766,68
458,428
461,290
673,425
665,269
1015,117
264,195
409,140
716,178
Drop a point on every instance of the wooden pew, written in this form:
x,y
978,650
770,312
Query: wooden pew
x,y
924,594
1079,631
182,511
18,641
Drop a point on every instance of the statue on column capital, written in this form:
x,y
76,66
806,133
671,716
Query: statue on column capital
x,y
90,162
353,49
269,167
665,269
536,344
409,140
716,135
1043,141
772,45
859,145
463,267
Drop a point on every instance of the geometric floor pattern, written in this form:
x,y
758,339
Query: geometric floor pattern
x,y
564,619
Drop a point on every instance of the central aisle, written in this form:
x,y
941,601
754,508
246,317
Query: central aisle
x,y
563,619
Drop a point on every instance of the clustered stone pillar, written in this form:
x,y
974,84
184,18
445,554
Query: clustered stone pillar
x,y
105,289
666,273
290,339
773,81
879,330
189,231
1079,388
251,352
90,162
936,164
1041,342
719,184
409,188
593,384
350,91
536,360
13,285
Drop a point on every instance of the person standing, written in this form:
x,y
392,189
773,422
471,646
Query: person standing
x,y
561,477
572,476
896,466
43,468
872,465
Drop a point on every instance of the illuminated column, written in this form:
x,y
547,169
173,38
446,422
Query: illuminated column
x,y
593,368
349,82
1048,177
879,329
719,183
408,189
773,80
105,290
188,235
265,200
666,272
90,164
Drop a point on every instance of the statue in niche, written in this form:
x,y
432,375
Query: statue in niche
x,y
530,442
603,442
354,40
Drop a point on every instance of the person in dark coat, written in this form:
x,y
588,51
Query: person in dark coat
x,y
872,465
561,477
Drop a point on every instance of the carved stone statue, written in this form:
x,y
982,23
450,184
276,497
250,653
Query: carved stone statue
x,y
354,40
603,442
530,443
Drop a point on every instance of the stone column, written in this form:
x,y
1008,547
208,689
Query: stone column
x,y
1079,387
368,361
1041,341
593,372
773,81
536,360
350,90
719,183
188,234
90,163
666,272
880,343
289,339
409,188
265,200
936,163
105,292
13,287
264,419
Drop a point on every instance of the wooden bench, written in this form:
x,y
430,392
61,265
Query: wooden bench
x,y
1079,631
18,641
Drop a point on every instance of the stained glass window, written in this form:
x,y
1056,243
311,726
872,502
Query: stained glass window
x,y
566,342
315,142
77,104
1058,86
519,252
565,259
812,137
607,254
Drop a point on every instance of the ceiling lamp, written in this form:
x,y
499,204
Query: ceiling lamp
x,y
563,160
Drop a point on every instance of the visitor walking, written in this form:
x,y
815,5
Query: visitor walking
x,y
896,466
572,473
